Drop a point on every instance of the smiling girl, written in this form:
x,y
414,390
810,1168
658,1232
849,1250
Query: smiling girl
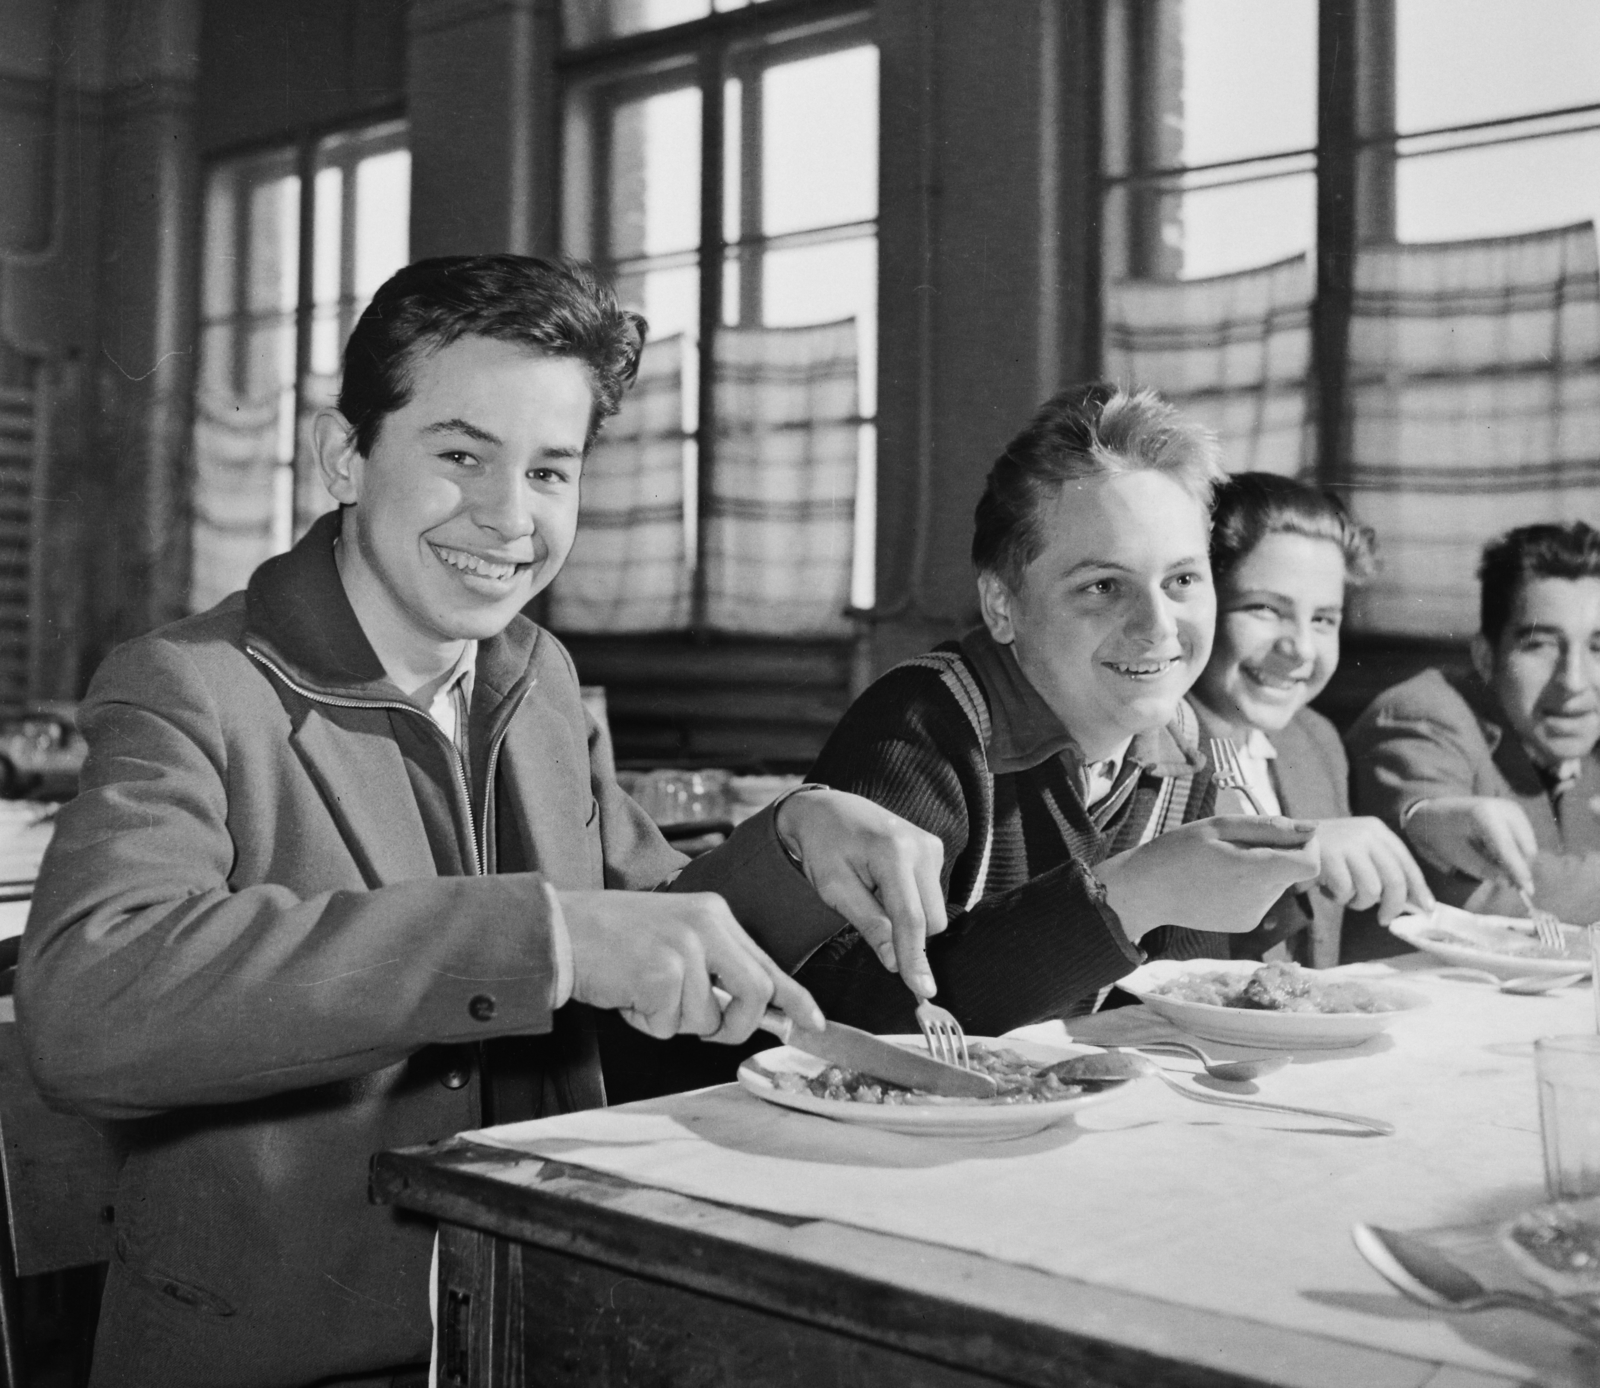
x,y
1282,556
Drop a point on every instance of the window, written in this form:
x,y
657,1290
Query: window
x,y
1498,114
1210,159
1401,301
272,330
724,177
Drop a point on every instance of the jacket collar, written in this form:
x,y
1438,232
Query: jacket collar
x,y
1522,773
298,616
1025,731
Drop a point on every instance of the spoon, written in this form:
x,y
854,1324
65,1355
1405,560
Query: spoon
x,y
1424,1274
1236,1071
1528,985
1125,1065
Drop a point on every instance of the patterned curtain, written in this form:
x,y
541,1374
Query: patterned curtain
x,y
236,461
1232,352
778,538
628,570
1475,407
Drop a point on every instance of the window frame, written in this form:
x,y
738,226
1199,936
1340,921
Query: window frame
x,y
1354,161
704,53
376,132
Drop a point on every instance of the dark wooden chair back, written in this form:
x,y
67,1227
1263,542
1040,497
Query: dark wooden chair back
x,y
60,1177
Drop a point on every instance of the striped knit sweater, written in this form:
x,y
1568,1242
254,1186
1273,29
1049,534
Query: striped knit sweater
x,y
1031,935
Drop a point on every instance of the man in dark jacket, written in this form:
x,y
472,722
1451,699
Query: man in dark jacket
x,y
1492,776
349,860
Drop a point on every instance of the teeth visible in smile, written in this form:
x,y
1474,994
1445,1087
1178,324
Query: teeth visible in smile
x,y
473,564
1271,681
1140,667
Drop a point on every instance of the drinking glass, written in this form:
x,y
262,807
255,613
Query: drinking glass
x,y
1568,1071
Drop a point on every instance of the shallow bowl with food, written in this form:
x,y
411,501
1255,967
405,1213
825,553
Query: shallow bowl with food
x,y
1499,944
1268,1030
928,1116
1557,1245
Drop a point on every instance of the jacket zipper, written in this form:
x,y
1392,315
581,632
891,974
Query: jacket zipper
x,y
480,847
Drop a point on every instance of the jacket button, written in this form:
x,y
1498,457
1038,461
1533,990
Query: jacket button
x,y
456,1078
482,1008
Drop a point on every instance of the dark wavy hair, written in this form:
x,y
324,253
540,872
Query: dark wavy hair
x,y
1249,506
1092,430
561,309
1531,551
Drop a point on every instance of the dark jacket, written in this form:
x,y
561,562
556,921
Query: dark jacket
x,y
1438,735
241,952
1312,778
958,742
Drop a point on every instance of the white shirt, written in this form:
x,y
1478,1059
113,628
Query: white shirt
x,y
1255,760
1100,776
448,709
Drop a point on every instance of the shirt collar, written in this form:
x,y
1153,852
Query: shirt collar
x,y
1259,746
1025,731
462,674
297,613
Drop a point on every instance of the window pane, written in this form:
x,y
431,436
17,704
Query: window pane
x,y
655,175
670,301
1249,78
732,163
821,284
329,230
383,214
1535,184
1214,231
327,252
819,149
274,246
590,21
219,253
1459,61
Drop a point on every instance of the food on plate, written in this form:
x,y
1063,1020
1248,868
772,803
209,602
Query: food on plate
x,y
1504,939
1559,1238
1275,988
1018,1081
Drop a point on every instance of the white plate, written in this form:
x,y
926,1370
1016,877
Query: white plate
x,y
1484,943
1277,1031
940,1118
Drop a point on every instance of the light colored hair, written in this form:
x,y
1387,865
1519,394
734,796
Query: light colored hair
x,y
1086,431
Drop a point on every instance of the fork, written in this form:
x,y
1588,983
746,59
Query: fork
x,y
1546,926
946,1041
1228,773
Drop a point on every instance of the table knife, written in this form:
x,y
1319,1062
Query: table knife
x,y
872,1055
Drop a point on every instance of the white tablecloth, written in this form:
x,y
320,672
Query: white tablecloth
x,y
1207,1207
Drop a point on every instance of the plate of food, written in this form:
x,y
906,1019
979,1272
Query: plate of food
x,y
1271,1006
1026,1102
1558,1245
1501,944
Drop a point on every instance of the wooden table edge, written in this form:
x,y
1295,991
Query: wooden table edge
x,y
749,1257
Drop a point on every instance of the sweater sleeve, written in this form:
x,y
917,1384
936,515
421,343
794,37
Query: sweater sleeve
x,y
1414,743
1035,951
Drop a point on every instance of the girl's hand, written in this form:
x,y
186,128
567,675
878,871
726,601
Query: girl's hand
x,y
1365,863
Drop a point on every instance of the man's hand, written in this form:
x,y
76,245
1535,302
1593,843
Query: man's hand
x,y
876,870
1219,874
1480,835
654,956
1365,863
